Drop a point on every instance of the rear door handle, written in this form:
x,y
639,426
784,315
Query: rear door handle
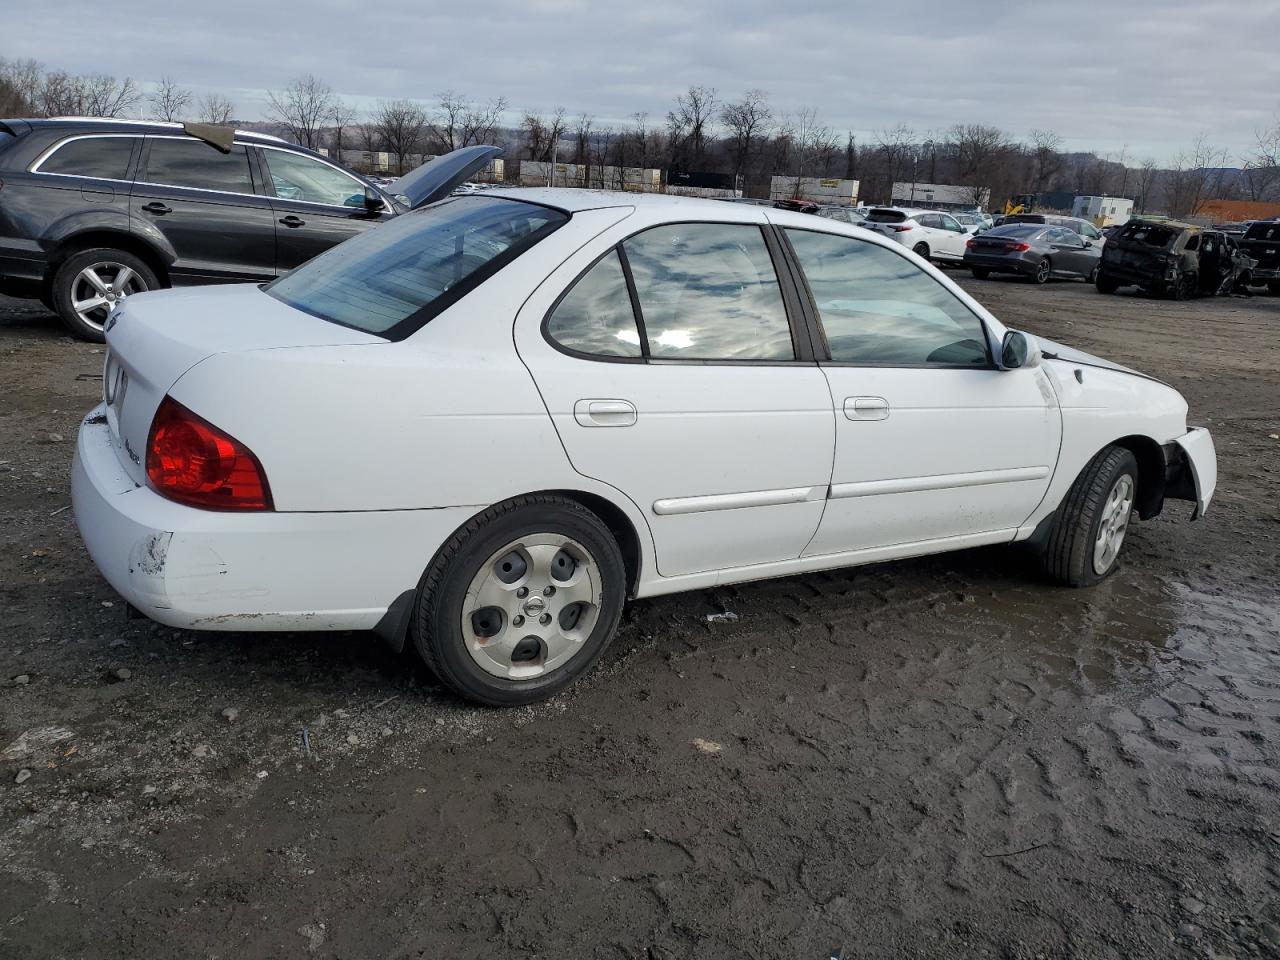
x,y
866,408
157,208
292,221
605,413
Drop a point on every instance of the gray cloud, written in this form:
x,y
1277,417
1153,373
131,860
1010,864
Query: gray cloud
x,y
1142,75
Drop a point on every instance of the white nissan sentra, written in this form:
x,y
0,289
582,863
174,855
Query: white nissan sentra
x,y
484,425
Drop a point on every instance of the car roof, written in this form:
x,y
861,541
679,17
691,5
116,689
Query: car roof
x,y
123,125
572,199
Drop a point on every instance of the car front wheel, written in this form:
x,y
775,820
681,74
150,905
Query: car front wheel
x,y
1104,283
1089,528
1044,270
980,273
521,601
88,285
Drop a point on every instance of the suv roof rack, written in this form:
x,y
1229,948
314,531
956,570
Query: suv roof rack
x,y
169,124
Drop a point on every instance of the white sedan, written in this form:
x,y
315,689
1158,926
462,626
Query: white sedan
x,y
483,426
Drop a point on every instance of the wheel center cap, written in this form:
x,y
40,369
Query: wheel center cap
x,y
534,607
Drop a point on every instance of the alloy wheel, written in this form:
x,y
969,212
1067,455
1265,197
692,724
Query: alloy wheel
x,y
1043,269
531,606
1114,523
99,287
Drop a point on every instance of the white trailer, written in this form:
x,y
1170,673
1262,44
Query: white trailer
x,y
814,189
1103,211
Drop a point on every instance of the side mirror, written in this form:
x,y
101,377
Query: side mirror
x,y
1088,244
1019,351
372,202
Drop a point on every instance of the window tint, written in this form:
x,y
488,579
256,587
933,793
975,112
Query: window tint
x,y
595,316
878,307
299,177
708,291
392,280
106,157
193,163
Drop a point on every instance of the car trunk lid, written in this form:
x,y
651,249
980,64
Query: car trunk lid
x,y
437,178
154,338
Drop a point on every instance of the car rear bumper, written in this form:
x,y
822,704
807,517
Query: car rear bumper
x,y
999,264
1126,276
213,570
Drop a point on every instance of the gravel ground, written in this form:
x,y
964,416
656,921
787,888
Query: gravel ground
x,y
933,758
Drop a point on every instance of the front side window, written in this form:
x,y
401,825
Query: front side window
x,y
595,316
708,291
195,164
298,177
876,307
103,157
392,280
949,223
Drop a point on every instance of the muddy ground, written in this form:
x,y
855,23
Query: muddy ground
x,y
935,758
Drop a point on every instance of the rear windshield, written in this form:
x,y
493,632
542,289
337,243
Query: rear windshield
x,y
1026,218
1150,234
1016,230
1264,231
393,278
886,216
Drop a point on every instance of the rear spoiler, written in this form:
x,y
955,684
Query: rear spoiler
x,y
15,127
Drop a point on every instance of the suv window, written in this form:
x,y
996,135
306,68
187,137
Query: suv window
x,y
191,163
298,177
1264,230
708,291
876,307
930,220
595,316
392,280
103,157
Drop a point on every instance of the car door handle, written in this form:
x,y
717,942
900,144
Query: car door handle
x,y
605,413
157,208
292,221
866,408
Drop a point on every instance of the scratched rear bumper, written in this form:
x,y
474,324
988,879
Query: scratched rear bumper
x,y
246,571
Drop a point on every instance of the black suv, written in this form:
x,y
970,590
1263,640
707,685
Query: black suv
x,y
92,211
1173,259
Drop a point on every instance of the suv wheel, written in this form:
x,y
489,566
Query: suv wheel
x,y
1273,287
521,601
1184,287
921,250
90,283
980,273
1104,283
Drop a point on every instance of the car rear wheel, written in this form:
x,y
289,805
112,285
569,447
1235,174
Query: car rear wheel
x,y
1044,270
521,601
89,284
980,273
1273,287
1089,527
1104,283
921,250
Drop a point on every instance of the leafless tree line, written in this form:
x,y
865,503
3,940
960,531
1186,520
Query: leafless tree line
x,y
746,137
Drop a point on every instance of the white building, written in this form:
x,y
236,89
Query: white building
x,y
814,189
1103,211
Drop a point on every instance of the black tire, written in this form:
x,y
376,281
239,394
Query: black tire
x,y
1044,270
1273,287
1067,552
1093,276
980,273
921,250
436,624
1104,283
1185,287
64,282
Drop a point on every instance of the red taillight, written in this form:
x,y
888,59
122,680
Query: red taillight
x,y
193,462
900,227
970,244
1017,247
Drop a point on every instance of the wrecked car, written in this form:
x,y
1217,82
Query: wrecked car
x,y
1261,242
1167,258
484,426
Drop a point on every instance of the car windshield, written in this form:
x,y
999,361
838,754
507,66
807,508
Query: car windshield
x,y
1150,234
394,278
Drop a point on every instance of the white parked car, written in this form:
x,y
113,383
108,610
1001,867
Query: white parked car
x,y
484,425
929,233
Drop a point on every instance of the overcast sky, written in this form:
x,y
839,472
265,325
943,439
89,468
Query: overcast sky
x,y
1145,76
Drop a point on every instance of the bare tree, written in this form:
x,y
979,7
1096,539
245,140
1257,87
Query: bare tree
x,y
301,108
400,125
342,116
168,100
215,108
747,121
688,124
19,87
1046,159
896,151
978,152
1261,168
458,122
1195,177
1147,176
582,138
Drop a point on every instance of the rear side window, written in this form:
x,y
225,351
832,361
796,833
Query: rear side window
x,y
595,316
708,291
195,164
886,216
1264,231
876,307
103,157
393,279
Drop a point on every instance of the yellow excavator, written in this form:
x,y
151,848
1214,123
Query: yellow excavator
x,y
1021,203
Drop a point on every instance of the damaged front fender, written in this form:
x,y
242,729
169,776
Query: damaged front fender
x,y
1194,474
